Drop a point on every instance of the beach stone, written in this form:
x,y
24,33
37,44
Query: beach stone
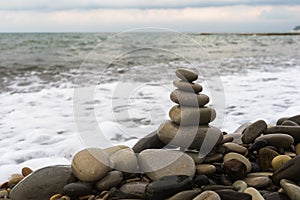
x,y
281,120
3,194
258,182
289,170
289,123
293,131
259,174
192,116
77,189
213,158
14,179
186,195
111,150
237,138
201,180
186,74
150,141
111,179
240,185
233,147
272,196
167,186
278,140
208,195
292,190
157,163
124,160
134,189
254,193
278,161
265,157
233,195
90,165
253,131
297,149
235,169
193,137
227,138
42,184
239,157
215,187
26,171
205,169
184,98
186,86
295,119
258,144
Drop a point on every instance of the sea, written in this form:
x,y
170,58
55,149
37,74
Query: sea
x,y
62,92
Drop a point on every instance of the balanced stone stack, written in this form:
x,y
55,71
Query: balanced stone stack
x,y
189,125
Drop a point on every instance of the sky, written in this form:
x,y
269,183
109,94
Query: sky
x,y
122,15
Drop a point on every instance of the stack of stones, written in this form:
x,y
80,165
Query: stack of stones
x,y
257,162
189,127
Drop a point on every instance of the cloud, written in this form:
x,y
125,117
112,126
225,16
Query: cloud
x,y
278,13
206,19
129,4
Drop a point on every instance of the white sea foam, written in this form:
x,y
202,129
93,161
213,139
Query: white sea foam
x,y
39,129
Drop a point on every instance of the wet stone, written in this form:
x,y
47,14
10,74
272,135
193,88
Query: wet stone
x,y
185,116
186,74
134,189
157,163
186,86
265,157
253,131
289,123
295,119
189,99
150,141
112,179
185,195
278,140
289,170
208,195
77,189
168,186
124,160
233,195
42,184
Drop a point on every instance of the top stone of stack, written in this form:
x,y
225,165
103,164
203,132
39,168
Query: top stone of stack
x,y
186,75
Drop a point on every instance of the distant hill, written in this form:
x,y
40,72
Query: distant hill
x,y
297,28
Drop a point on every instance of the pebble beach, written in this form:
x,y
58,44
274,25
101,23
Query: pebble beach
x,y
185,158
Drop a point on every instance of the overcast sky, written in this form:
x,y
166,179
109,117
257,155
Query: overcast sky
x,y
120,15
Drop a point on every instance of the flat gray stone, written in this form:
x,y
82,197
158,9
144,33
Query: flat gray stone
x,y
186,74
42,184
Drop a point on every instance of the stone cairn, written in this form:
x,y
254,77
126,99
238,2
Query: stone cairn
x,y
257,161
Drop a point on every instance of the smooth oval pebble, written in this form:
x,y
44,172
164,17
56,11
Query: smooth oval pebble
x,y
112,179
196,156
289,130
201,180
157,163
184,98
185,116
289,170
257,182
253,131
77,189
185,195
240,185
205,169
292,190
243,159
234,169
90,165
278,140
233,147
192,137
278,161
265,157
208,195
254,193
186,86
134,189
168,186
26,171
228,194
124,160
42,184
186,74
